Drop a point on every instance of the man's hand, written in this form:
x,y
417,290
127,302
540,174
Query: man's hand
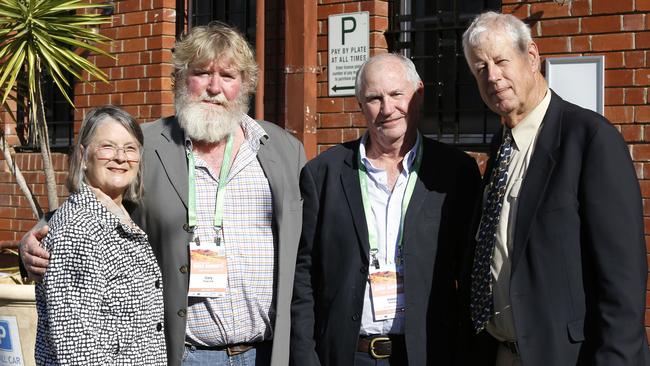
x,y
34,257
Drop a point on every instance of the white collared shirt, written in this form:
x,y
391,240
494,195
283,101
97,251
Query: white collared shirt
x,y
387,211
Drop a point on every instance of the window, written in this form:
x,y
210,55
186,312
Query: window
x,y
430,32
237,13
59,115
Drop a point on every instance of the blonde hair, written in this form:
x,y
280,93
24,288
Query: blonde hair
x,y
214,42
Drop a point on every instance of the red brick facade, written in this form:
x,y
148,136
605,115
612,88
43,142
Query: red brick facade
x,y
144,32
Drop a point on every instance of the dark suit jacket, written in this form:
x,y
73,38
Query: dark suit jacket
x,y
164,212
579,261
332,265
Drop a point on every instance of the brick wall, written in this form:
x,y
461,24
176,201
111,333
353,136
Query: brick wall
x,y
16,217
143,32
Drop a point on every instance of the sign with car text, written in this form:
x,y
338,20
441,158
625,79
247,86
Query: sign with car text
x,y
11,353
348,39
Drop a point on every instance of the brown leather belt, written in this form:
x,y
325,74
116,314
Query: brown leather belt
x,y
381,346
234,349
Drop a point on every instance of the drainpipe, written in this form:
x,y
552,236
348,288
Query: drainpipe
x,y
300,71
259,54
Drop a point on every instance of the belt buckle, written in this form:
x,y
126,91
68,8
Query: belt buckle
x,y
371,347
237,350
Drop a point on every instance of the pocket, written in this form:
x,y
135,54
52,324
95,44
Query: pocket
x,y
188,353
576,330
558,202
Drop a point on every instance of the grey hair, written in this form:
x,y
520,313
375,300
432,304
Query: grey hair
x,y
518,31
93,119
411,72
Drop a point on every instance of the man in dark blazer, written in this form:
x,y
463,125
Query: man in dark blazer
x,y
335,309
559,271
215,72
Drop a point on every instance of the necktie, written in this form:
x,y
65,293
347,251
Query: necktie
x,y
481,296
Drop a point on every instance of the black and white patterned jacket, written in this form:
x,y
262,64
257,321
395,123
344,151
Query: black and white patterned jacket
x,y
100,302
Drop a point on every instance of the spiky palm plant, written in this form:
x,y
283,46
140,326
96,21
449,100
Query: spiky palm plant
x,y
38,36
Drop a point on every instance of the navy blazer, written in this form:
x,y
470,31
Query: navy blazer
x,y
332,264
578,280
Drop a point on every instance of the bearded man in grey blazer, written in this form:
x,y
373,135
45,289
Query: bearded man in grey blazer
x,y
222,185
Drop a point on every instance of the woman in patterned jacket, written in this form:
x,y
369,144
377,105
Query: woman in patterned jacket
x,y
100,302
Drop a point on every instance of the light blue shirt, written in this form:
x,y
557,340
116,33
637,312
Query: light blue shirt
x,y
387,211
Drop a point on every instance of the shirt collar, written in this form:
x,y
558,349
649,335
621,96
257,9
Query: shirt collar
x,y
525,131
407,163
253,133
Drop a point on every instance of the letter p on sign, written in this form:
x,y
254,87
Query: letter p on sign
x,y
345,29
5,339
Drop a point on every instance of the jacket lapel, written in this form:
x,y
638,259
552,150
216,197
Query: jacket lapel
x,y
352,191
267,158
171,154
419,195
537,175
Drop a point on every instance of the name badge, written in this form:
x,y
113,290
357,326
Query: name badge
x,y
208,270
387,292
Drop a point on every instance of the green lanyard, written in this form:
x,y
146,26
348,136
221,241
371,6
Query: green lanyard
x,y
221,192
410,186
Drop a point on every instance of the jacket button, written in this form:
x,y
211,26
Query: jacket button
x,y
363,270
159,327
187,228
355,317
181,313
157,284
183,269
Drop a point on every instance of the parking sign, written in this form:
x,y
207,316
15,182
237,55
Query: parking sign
x,y
348,47
11,353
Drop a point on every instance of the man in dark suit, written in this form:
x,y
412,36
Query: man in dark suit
x,y
247,322
559,271
385,221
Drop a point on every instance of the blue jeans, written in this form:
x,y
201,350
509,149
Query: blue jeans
x,y
258,356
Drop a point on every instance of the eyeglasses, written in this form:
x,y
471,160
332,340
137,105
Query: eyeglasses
x,y
109,152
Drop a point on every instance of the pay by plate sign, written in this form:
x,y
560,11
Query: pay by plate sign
x,y
348,47
10,352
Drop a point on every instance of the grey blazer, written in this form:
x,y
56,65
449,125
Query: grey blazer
x,y
163,215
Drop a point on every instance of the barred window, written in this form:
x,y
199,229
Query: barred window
x,y
59,115
237,13
430,32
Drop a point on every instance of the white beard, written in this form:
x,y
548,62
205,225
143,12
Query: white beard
x,y
209,122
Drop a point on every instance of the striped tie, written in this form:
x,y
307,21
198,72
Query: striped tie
x,y
481,295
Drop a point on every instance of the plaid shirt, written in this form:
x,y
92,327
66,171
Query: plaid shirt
x,y
245,313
